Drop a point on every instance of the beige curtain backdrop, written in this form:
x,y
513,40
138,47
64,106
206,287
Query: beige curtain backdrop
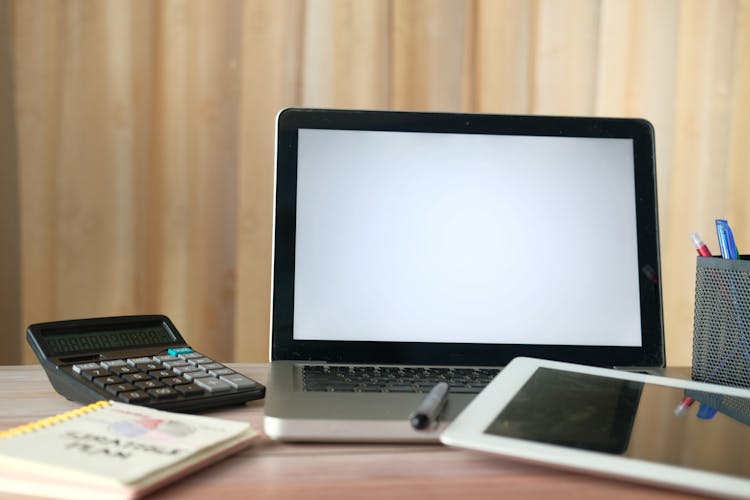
x,y
137,136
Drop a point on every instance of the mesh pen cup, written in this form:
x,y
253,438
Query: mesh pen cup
x,y
721,328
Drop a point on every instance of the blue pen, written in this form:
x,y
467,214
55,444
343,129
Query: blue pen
x,y
726,240
729,251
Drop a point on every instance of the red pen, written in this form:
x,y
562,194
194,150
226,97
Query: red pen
x,y
700,245
684,405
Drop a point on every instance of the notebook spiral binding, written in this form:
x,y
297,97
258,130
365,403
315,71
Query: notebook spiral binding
x,y
55,419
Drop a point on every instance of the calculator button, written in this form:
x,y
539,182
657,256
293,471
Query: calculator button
x,y
147,367
135,377
176,351
212,384
212,366
138,361
102,381
122,370
110,363
97,372
185,369
117,388
196,375
164,357
239,381
134,397
191,355
189,390
148,384
163,393
162,373
86,366
222,371
178,362
200,361
175,381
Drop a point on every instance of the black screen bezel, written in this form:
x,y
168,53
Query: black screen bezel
x,y
283,345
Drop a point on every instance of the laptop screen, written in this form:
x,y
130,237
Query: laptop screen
x,y
486,237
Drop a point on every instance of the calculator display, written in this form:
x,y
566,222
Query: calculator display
x,y
62,344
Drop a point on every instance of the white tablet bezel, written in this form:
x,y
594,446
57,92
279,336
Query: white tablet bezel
x,y
467,431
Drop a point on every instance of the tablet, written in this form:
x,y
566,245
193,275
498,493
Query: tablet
x,y
614,423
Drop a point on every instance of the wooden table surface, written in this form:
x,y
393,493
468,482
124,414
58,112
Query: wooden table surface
x,y
270,469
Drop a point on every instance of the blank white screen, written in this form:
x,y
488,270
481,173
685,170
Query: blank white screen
x,y
422,237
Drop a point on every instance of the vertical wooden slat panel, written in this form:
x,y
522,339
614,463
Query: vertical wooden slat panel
x,y
565,53
11,332
195,202
86,212
738,206
637,72
120,121
346,54
271,80
37,36
697,193
504,56
428,38
139,95
213,132
168,188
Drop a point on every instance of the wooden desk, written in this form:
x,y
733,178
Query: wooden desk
x,y
274,470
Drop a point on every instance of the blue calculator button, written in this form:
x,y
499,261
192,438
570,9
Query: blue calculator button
x,y
179,350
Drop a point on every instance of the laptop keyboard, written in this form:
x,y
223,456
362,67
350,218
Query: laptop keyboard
x,y
336,378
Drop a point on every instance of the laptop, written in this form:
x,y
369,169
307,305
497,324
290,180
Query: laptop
x,y
412,248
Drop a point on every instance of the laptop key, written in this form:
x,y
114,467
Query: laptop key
x,y
337,368
371,388
400,388
316,387
465,390
341,387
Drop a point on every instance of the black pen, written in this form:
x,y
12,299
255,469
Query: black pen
x,y
429,409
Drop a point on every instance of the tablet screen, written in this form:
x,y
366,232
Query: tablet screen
x,y
631,419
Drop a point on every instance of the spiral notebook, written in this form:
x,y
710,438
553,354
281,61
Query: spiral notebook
x,y
112,450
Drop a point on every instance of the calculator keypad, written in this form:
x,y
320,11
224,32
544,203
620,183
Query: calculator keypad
x,y
145,380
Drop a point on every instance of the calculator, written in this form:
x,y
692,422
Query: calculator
x,y
141,360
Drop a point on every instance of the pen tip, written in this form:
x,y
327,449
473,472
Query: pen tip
x,y
419,422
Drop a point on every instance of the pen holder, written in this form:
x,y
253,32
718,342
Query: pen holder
x,y
721,335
